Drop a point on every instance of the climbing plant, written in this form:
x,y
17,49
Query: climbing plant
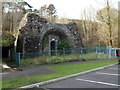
x,y
63,45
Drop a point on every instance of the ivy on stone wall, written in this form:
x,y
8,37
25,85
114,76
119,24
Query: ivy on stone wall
x,y
63,45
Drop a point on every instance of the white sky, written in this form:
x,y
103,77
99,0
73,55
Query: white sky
x,y
71,8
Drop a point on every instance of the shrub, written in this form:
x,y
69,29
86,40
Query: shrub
x,y
7,39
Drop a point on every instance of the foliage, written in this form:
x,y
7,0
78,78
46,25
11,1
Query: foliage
x,y
62,58
109,17
45,41
7,39
51,10
23,4
62,71
63,45
5,43
48,12
102,15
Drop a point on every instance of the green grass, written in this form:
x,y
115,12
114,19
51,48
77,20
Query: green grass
x,y
63,70
61,59
0,85
90,56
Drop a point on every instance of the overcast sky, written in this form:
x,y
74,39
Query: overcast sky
x,y
72,8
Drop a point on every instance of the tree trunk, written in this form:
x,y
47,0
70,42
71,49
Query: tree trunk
x,y
109,23
1,12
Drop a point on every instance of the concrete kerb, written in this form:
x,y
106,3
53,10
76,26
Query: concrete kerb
x,y
62,78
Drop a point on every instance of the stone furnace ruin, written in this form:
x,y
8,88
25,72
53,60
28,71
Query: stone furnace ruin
x,y
38,35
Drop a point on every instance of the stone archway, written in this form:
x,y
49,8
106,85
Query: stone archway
x,y
35,29
60,30
57,33
54,34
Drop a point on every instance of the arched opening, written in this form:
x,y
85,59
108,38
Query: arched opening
x,y
53,47
56,34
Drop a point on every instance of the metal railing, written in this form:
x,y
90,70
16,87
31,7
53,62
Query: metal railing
x,y
65,55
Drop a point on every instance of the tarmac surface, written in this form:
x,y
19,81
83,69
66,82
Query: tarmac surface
x,y
106,78
39,70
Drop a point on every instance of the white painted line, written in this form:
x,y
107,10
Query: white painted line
x,y
2,73
63,78
108,74
110,84
45,88
114,68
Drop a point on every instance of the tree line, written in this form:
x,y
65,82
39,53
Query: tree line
x,y
96,30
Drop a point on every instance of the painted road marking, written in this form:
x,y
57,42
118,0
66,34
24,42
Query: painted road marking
x,y
114,68
2,73
110,84
46,89
108,74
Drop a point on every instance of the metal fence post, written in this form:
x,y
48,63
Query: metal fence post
x,y
96,53
81,52
17,59
109,51
115,52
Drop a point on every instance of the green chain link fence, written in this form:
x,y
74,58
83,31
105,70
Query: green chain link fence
x,y
66,55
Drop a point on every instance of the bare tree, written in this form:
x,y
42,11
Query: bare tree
x,y
89,27
42,12
48,12
1,17
108,16
12,15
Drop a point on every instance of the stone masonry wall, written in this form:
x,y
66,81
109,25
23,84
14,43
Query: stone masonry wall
x,y
32,32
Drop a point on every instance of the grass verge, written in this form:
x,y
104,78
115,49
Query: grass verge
x,y
63,70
